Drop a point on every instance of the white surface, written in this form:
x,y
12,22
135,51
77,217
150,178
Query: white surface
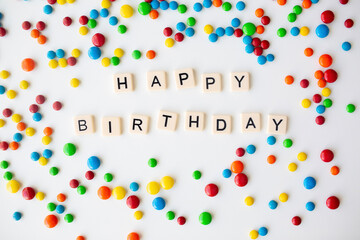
x,y
182,152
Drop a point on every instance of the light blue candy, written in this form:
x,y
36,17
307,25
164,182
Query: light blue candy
x,y
251,149
104,13
113,20
60,209
309,183
35,156
346,46
261,60
47,153
235,22
180,26
17,216
189,32
310,206
51,54
158,203
155,4
213,37
60,53
295,31
94,53
164,5
37,117
94,14
197,7
220,31
271,140
263,231
93,162
273,204
320,109
322,31
240,5
134,186
226,173
48,9
207,3
18,137
249,48
173,5
229,31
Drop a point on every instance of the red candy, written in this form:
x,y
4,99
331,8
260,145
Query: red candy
x,y
83,20
327,16
74,183
89,175
304,83
211,190
332,202
181,220
320,120
26,25
265,44
349,23
265,20
71,61
240,152
168,32
317,98
98,40
258,51
327,155
40,26
241,180
7,112
67,21
40,99
132,201
28,193
238,32
33,108
4,145
330,75
296,220
51,1
179,37
256,42
343,1
57,106
2,32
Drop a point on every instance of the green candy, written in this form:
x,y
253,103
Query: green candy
x,y
136,54
196,175
69,149
122,29
288,143
170,215
69,218
191,21
144,8
152,162
281,32
350,108
327,103
205,218
249,29
92,23
4,164
51,207
182,8
226,6
81,190
8,176
297,9
54,171
115,61
108,177
291,17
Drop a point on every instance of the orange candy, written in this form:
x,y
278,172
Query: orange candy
x,y
28,64
133,236
48,131
21,126
51,221
281,2
237,167
260,29
325,60
14,145
151,54
319,74
289,80
217,3
306,4
154,14
321,83
80,238
334,170
104,193
34,33
61,197
271,159
259,12
41,39
308,52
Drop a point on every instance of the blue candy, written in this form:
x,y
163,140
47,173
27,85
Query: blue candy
x,y
229,31
2,89
261,60
310,206
309,183
235,22
158,203
155,4
60,209
18,137
34,156
250,149
164,5
320,109
134,186
17,216
37,117
60,53
226,173
346,46
104,13
51,54
249,48
271,140
247,40
173,5
273,204
113,21
94,53
93,162
220,31
270,57
47,153
240,5
263,231
207,3
322,31
295,31
48,9
213,37
189,32
94,14
197,7
180,26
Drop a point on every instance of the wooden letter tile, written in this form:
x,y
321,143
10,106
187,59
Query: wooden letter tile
x,y
123,82
222,124
277,124
194,121
156,80
111,126
240,81
84,124
250,122
185,78
139,124
167,121
211,82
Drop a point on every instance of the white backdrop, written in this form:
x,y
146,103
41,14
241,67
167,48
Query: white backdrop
x,y
182,152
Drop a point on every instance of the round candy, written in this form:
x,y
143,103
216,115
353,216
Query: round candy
x,y
325,60
158,203
28,64
17,216
205,218
74,183
133,236
250,149
296,220
253,234
237,167
302,156
283,197
119,193
346,46
249,201
69,218
226,173
94,53
249,29
327,155
170,215
240,5
104,193
196,175
134,186
69,149
93,163
153,188
350,108
322,31
213,37
287,143
263,231
349,23
240,152
273,204
67,21
181,220
180,26
334,170
333,202
271,159
241,180
26,25
113,20
211,190
310,206
167,182
309,183
81,190
281,32
132,201
51,221
144,8
98,40
327,16
60,209
13,186
126,11
189,32
197,7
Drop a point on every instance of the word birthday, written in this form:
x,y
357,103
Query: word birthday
x,y
168,121
184,78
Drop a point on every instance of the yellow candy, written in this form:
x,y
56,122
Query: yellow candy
x,y
70,1
16,118
75,53
167,182
11,94
153,188
24,84
46,140
119,193
253,234
40,196
4,74
249,201
29,131
208,29
62,62
305,103
283,197
105,4
292,167
302,156
138,215
326,92
105,62
2,123
169,42
304,31
43,161
118,52
53,63
74,82
83,30
61,2
13,186
126,11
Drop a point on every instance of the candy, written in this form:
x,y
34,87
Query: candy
x,y
28,64
296,220
322,31
108,177
237,167
104,193
253,234
325,60
251,149
196,175
283,197
241,180
350,108
81,190
51,221
74,183
167,182
263,231
273,204
153,188
181,220
93,162
249,201
309,182
205,218
133,236
327,16
287,143
249,29
334,170
134,186
346,46
60,209
51,206
170,215
327,155
13,186
94,53
89,175
98,40
69,149
69,218
349,23
119,193
17,216
144,8
211,190
132,201
310,206
158,203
